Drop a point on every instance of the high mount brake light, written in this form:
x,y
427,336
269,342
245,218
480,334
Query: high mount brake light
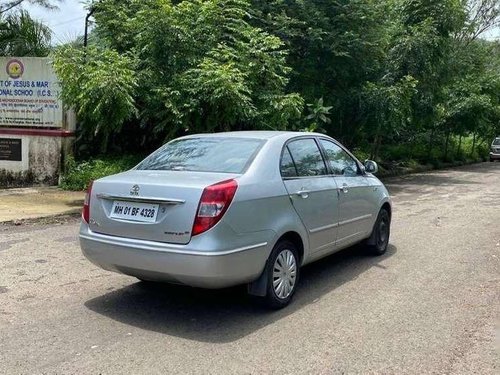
x,y
214,203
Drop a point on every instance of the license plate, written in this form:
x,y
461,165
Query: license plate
x,y
143,212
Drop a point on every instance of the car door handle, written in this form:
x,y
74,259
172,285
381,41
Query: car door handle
x,y
344,188
303,193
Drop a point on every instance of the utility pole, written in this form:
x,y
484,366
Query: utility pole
x,y
86,35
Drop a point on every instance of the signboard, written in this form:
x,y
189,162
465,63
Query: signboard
x,y
29,92
10,149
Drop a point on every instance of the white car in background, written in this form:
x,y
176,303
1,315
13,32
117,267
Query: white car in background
x,y
495,149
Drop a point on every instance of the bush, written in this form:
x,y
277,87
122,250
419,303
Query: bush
x,y
361,154
77,174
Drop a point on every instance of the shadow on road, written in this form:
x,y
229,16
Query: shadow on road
x,y
413,183
418,183
227,315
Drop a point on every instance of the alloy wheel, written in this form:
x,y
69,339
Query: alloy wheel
x,y
284,274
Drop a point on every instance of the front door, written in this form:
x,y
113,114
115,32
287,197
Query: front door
x,y
355,208
312,191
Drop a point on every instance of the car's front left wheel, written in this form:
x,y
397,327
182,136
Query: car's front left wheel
x,y
282,273
378,242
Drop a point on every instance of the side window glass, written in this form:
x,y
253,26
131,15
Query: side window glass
x,y
341,162
287,166
307,157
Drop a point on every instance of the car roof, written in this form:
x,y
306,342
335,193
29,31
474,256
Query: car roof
x,y
256,134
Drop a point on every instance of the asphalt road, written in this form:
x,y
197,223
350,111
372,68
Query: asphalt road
x,y
431,305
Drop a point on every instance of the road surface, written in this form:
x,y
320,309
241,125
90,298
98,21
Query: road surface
x,y
430,305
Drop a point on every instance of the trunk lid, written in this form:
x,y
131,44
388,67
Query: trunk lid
x,y
175,194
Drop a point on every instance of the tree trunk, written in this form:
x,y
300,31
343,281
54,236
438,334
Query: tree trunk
x,y
376,142
377,149
431,144
459,148
374,147
446,145
473,144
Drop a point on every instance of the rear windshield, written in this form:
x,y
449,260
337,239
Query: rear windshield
x,y
496,142
207,154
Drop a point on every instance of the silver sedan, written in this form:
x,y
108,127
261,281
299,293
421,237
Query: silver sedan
x,y
217,210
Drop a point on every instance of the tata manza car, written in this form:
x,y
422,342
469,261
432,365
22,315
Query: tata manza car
x,y
217,210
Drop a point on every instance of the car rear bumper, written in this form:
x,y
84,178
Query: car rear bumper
x,y
494,156
156,261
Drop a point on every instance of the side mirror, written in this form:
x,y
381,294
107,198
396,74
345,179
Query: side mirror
x,y
371,166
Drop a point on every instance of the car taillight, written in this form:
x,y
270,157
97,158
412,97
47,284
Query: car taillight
x,y
86,204
214,202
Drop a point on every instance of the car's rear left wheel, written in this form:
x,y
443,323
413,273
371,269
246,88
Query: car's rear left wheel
x,y
282,271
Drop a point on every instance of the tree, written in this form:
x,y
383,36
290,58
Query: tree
x,y
480,16
199,66
335,48
473,97
100,85
8,6
388,108
422,51
20,35
379,75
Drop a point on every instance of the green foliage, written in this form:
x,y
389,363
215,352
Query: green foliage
x,y
100,84
319,115
404,80
334,48
220,73
12,5
195,66
389,107
20,35
77,175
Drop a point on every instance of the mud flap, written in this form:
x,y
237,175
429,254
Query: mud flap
x,y
372,240
259,287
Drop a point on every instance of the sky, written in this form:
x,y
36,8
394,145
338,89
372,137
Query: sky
x,y
68,22
493,34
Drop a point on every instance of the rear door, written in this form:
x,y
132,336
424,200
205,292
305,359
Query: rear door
x,y
312,191
355,205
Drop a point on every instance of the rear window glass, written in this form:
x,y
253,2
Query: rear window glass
x,y
307,157
496,142
226,155
287,165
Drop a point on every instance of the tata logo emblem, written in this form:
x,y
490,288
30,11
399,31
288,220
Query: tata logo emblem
x,y
135,190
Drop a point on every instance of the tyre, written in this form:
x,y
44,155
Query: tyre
x,y
282,271
379,241
147,283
